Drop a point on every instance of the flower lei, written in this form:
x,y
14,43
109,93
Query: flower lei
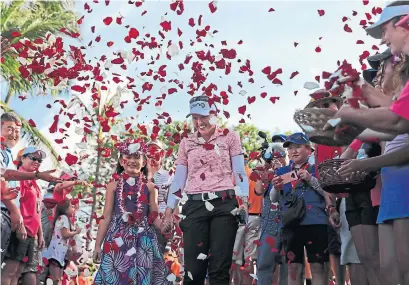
x,y
135,217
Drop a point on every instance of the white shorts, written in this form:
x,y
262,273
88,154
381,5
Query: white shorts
x,y
245,246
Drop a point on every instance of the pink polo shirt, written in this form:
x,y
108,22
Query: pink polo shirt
x,y
401,106
209,166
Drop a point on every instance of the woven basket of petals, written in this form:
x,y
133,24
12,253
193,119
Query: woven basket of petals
x,y
332,182
312,122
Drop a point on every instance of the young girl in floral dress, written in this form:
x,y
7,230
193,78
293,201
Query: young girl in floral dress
x,y
126,243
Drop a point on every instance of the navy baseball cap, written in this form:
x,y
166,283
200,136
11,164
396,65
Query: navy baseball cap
x,y
388,13
280,137
376,60
297,138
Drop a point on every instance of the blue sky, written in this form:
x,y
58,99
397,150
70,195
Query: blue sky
x,y
268,40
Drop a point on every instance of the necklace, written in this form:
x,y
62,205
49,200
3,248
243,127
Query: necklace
x,y
136,216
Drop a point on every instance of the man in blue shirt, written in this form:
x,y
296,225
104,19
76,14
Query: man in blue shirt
x,y
311,231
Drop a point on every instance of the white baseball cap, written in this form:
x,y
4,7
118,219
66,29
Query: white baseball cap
x,y
199,105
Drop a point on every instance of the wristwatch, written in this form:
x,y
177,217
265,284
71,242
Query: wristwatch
x,y
36,175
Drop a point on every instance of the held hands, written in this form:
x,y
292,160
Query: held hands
x,y
83,183
22,233
167,221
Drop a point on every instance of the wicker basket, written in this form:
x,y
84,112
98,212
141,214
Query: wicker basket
x,y
332,182
312,122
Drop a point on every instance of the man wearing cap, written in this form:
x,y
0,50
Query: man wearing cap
x,y
311,230
207,160
278,138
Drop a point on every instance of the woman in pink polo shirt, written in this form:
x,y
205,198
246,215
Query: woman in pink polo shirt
x,y
207,160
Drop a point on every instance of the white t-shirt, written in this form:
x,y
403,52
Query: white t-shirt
x,y
162,181
58,245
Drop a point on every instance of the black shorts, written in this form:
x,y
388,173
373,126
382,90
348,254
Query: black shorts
x,y
334,242
313,237
22,250
5,231
359,209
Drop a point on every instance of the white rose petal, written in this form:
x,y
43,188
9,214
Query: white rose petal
x,y
334,122
108,64
81,145
181,216
212,196
254,276
311,85
86,272
140,229
235,211
119,241
307,128
133,148
2,265
171,277
49,282
189,274
201,256
173,50
217,149
209,206
125,217
243,92
130,252
213,120
131,181
237,190
201,140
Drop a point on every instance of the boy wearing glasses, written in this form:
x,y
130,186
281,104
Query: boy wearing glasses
x,y
311,231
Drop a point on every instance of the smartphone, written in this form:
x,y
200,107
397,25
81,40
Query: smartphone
x,y
243,217
289,177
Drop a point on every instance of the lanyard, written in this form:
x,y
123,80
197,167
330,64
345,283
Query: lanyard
x,y
304,167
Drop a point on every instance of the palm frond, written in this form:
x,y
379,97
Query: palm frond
x,y
33,135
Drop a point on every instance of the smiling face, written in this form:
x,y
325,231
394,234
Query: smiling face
x,y
299,153
394,37
203,124
132,164
10,131
31,162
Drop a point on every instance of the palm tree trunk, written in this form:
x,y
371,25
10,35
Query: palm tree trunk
x,y
8,96
94,190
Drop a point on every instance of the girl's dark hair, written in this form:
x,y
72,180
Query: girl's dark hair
x,y
20,162
62,208
373,150
144,170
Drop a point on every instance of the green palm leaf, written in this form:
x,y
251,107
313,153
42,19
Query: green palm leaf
x,y
33,135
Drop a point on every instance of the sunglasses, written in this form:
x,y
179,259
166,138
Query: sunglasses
x,y
33,158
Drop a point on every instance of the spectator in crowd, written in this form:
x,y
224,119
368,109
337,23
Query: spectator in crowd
x,y
393,218
324,100
63,232
278,138
309,230
245,248
25,243
206,161
269,255
161,179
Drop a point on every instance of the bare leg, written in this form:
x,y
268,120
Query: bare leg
x,y
357,274
294,274
276,275
56,272
319,273
9,271
16,277
235,274
390,273
338,269
249,269
401,231
366,241
29,278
